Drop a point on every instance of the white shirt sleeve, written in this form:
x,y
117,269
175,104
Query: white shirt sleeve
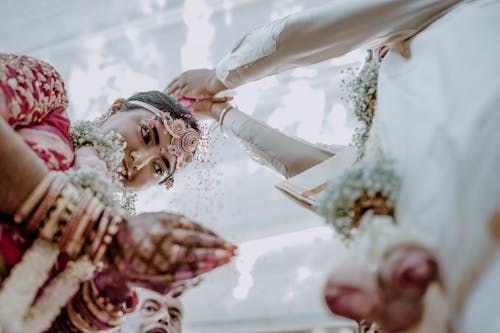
x,y
325,32
287,155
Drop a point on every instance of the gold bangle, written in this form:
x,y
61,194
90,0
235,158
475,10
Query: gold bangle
x,y
77,319
106,240
52,225
94,215
89,233
75,218
74,248
47,202
101,230
34,198
102,315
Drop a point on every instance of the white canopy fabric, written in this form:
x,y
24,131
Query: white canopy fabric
x,y
109,49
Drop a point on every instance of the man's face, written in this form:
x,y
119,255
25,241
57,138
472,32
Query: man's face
x,y
156,313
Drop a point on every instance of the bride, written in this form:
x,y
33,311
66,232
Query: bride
x,y
64,229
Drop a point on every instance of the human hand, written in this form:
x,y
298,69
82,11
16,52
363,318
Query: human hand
x,y
159,251
408,269
204,108
195,84
352,291
392,296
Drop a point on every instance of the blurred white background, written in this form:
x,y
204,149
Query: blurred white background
x,y
113,48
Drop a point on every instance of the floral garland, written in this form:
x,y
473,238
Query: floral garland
x,y
111,149
361,93
110,145
20,288
57,293
371,185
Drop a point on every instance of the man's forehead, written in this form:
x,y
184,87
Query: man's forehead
x,y
167,300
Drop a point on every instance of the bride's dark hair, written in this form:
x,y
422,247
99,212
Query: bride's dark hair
x,y
164,103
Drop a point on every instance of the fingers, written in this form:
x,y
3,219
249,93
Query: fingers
x,y
400,315
224,99
392,296
164,248
172,86
351,291
408,270
179,93
182,222
195,239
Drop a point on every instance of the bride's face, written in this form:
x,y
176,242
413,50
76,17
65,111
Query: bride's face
x,y
145,162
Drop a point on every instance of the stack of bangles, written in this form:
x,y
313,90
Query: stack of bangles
x,y
91,312
70,216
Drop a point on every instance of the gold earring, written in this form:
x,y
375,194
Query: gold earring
x,y
116,106
104,117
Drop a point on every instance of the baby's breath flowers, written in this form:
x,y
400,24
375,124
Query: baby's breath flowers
x,y
110,147
361,93
370,185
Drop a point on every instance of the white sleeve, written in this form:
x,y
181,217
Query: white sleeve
x,y
325,32
267,146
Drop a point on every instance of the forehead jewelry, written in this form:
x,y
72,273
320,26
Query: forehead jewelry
x,y
184,141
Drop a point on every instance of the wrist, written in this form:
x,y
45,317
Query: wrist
x,y
216,110
216,84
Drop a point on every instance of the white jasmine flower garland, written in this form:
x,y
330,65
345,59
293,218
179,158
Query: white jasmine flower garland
x,y
111,149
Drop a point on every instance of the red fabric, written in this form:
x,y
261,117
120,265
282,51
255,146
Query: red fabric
x,y
35,103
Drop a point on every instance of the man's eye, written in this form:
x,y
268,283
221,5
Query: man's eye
x,y
174,317
146,134
158,169
149,309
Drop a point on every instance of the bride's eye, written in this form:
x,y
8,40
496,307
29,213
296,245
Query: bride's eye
x,y
158,169
146,134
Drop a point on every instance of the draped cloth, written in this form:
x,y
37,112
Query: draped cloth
x,y
34,104
438,117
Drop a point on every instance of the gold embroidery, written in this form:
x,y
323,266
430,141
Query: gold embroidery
x,y
33,91
49,144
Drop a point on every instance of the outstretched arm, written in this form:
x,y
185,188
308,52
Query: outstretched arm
x,y
20,170
309,37
287,155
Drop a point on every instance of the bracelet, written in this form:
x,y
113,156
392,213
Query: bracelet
x,y
71,216
110,233
83,230
47,202
105,313
76,232
74,218
34,198
223,114
52,226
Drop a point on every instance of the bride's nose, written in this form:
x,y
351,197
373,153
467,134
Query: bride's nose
x,y
141,158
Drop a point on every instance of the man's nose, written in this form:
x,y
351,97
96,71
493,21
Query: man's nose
x,y
164,319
